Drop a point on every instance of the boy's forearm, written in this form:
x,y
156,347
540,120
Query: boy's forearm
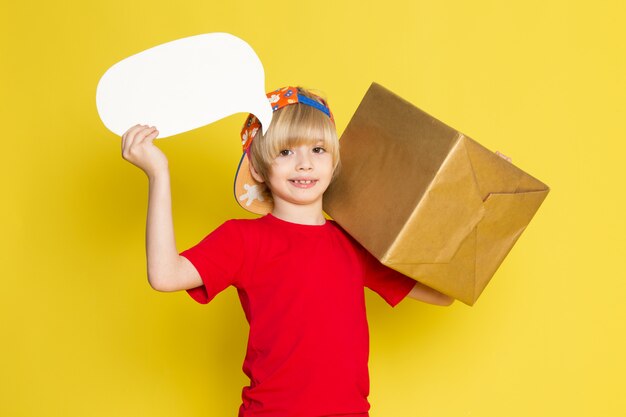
x,y
161,253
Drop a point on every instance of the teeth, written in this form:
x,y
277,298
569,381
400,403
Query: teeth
x,y
302,181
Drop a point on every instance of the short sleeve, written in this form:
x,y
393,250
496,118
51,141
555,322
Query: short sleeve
x,y
218,259
391,285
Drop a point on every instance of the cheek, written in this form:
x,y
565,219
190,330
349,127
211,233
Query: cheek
x,y
277,165
326,161
277,169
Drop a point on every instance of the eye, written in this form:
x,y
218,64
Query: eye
x,y
285,152
319,149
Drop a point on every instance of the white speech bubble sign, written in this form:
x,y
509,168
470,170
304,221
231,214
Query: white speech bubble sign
x,y
184,84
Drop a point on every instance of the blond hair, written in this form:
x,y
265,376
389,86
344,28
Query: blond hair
x,y
294,125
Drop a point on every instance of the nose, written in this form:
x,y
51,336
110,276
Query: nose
x,y
303,162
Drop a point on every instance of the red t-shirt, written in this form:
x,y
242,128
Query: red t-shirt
x,y
301,288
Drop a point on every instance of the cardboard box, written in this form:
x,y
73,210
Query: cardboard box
x,y
427,200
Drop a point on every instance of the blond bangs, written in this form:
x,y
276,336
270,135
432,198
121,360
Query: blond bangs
x,y
302,125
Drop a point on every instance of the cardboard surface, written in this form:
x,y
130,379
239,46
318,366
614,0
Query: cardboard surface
x,y
427,200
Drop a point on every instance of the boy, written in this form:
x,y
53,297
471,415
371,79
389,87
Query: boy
x,y
299,277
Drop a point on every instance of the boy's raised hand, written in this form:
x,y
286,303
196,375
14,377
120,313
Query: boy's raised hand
x,y
138,149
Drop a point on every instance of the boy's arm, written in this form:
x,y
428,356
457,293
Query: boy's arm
x,y
167,271
428,295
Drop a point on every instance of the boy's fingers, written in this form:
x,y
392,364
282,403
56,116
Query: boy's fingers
x,y
124,139
137,136
503,156
130,132
130,128
144,133
129,138
152,136
128,141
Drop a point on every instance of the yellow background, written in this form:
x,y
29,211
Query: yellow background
x,y
542,81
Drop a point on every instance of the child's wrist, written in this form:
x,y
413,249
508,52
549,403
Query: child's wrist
x,y
158,174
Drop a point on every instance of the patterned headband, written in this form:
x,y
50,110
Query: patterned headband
x,y
279,99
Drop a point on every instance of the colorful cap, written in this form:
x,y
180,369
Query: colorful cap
x,y
249,193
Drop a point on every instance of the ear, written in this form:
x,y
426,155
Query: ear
x,y
255,174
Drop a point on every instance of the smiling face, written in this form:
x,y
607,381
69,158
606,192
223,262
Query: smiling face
x,y
296,159
299,176
292,126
